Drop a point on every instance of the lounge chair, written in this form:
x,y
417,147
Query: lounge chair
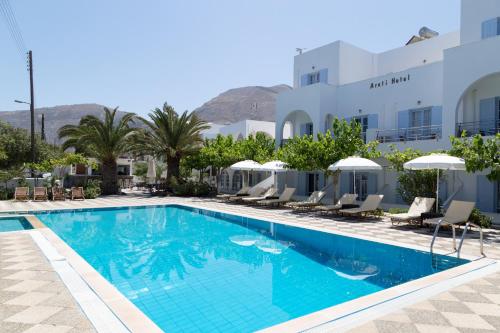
x,y
313,201
77,193
40,194
370,205
457,213
22,194
419,206
243,191
271,192
284,198
58,194
346,199
254,192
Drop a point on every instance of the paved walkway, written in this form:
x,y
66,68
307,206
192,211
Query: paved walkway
x,y
32,296
473,307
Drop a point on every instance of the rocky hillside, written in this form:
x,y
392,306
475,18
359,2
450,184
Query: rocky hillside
x,y
257,103
55,117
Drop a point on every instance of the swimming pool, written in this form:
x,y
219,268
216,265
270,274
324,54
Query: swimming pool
x,y
196,270
14,223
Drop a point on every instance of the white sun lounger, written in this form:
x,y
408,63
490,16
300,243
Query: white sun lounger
x,y
285,197
420,205
271,192
313,201
243,191
371,204
346,199
255,191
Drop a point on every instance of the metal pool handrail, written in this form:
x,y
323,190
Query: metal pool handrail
x,y
453,226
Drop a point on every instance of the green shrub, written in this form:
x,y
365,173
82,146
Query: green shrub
x,y
93,189
480,219
191,188
6,194
398,210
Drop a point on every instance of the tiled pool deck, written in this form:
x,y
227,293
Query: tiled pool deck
x,y
471,307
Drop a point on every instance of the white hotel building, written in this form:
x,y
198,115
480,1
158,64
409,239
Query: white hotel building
x,y
413,96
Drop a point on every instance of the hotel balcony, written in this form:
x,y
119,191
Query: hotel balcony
x,y
484,128
409,134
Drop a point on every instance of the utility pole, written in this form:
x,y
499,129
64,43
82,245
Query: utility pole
x,y
32,107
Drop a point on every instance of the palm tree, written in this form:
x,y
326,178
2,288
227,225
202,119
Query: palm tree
x,y
171,136
104,140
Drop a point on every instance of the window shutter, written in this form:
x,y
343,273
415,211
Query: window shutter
x,y
373,121
437,115
303,80
302,129
372,185
486,114
485,194
403,119
323,76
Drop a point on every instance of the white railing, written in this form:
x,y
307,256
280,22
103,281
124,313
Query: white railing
x,y
410,134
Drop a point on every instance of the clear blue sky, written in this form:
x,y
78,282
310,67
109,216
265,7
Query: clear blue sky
x,y
138,54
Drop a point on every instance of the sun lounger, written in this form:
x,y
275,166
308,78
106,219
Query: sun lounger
x,y
285,197
243,191
457,213
370,205
313,201
420,205
77,193
254,192
40,194
271,192
58,194
346,199
22,193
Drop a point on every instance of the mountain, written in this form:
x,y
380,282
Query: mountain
x,y
55,117
255,102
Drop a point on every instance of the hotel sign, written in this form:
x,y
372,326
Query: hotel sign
x,y
387,82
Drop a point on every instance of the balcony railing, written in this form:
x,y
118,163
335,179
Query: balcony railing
x,y
410,134
484,128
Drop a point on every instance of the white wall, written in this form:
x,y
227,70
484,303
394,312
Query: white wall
x,y
474,13
246,127
326,56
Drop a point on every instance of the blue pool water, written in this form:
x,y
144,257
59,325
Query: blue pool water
x,y
14,224
196,270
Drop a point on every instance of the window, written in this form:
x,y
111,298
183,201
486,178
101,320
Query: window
x,y
361,186
363,120
490,28
309,129
313,78
312,182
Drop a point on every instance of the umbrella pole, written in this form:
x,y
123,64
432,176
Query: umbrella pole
x,y
354,181
437,192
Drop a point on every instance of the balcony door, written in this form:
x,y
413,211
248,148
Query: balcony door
x,y
420,123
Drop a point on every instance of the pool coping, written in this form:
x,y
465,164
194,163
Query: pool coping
x,y
135,320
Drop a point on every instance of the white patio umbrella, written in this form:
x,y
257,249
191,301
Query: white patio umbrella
x,y
438,162
354,163
274,167
247,165
151,173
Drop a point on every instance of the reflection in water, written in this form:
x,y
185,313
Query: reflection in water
x,y
203,271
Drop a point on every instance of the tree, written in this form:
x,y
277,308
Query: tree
x,y
479,154
305,154
171,137
259,148
104,140
412,183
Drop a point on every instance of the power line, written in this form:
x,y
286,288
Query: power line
x,y
13,26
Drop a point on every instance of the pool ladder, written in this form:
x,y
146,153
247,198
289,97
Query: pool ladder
x,y
453,226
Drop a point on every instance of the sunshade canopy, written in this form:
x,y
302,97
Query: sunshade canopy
x,y
246,165
355,163
436,161
274,166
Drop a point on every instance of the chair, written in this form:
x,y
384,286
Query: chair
x,y
271,192
284,198
255,191
313,201
457,213
243,191
419,206
346,199
371,204
58,194
22,194
77,193
40,194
